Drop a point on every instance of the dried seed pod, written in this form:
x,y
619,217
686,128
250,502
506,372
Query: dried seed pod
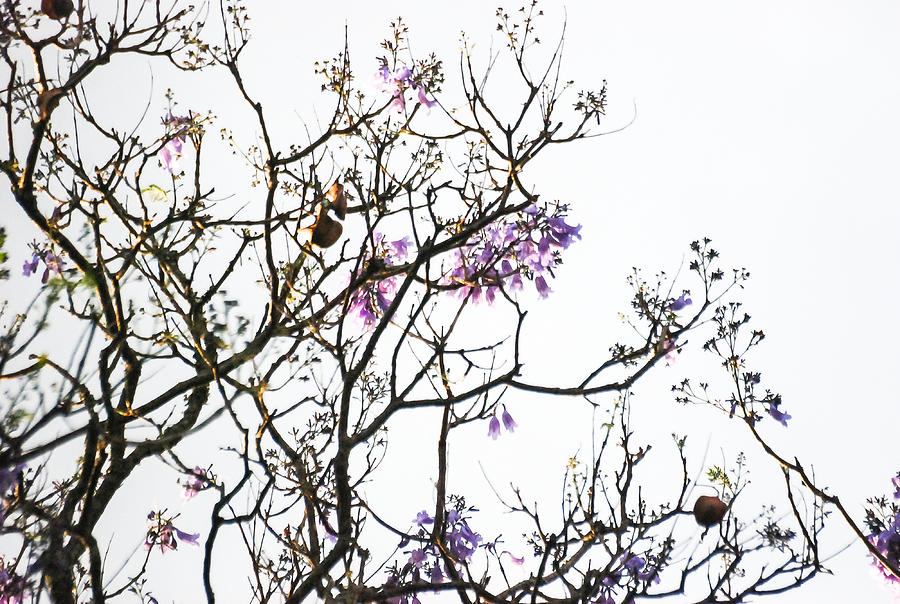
x,y
57,9
325,231
338,200
709,510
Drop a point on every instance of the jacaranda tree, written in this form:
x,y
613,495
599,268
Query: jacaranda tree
x,y
297,306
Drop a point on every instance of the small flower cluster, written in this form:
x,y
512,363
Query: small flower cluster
x,y
887,542
12,585
53,263
374,297
460,540
198,480
8,479
163,533
508,422
501,253
631,567
178,130
397,82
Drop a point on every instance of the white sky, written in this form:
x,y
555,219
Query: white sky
x,y
771,129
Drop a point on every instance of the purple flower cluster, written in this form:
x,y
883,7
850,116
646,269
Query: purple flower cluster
x,y
460,540
12,585
199,479
163,533
887,542
631,567
500,254
508,422
53,263
397,82
171,151
8,479
373,298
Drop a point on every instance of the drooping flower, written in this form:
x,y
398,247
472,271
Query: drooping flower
x,y
512,558
165,535
199,480
680,303
171,152
508,422
776,413
896,481
494,428
541,284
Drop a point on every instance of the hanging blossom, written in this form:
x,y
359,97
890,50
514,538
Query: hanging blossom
x,y
42,253
198,480
426,560
12,585
886,539
178,130
165,535
527,244
508,422
396,83
776,413
680,303
374,297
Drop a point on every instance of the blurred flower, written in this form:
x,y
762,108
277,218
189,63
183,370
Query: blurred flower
x,y
199,480
177,127
777,414
12,585
164,534
679,303
513,559
508,422
494,428
30,266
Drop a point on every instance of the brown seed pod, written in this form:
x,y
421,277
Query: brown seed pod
x,y
325,231
338,200
57,9
709,510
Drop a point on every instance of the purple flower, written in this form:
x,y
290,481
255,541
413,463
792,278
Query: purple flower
x,y
634,563
513,559
452,517
164,534
171,151
494,428
30,267
542,288
896,481
679,303
54,264
422,518
417,557
197,482
424,100
463,542
12,585
436,575
508,422
778,415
